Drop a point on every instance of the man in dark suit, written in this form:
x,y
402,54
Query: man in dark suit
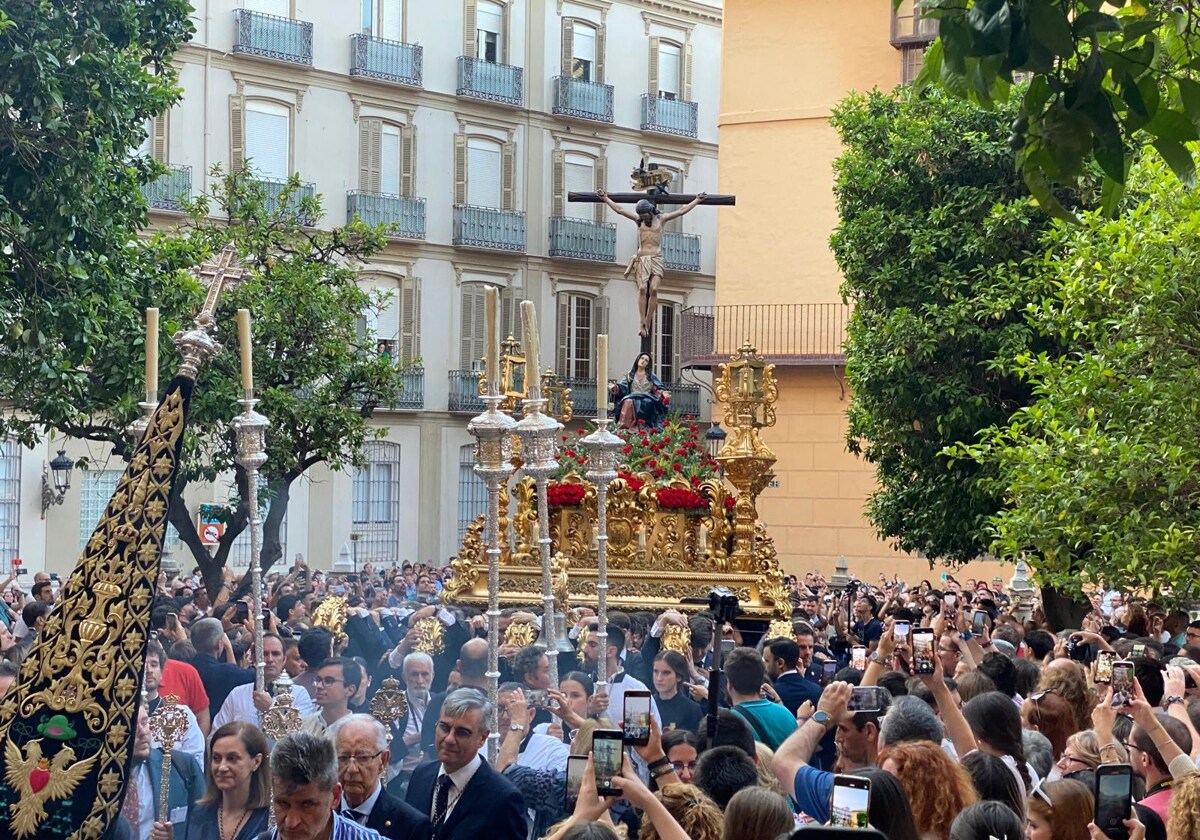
x,y
464,797
140,806
782,660
472,668
362,756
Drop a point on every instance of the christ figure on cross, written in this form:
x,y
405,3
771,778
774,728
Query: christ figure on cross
x,y
647,265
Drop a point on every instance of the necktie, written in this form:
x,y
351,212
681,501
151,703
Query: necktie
x,y
131,808
358,816
441,797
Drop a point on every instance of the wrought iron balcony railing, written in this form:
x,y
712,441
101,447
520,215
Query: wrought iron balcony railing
x,y
484,227
580,239
585,100
488,80
464,392
168,191
784,333
388,61
270,36
404,215
669,116
413,396
685,398
681,251
273,192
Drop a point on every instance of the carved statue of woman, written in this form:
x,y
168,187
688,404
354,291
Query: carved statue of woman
x,y
640,396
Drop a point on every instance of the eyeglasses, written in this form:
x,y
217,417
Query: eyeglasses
x,y
690,766
1066,758
460,732
361,758
1037,696
328,681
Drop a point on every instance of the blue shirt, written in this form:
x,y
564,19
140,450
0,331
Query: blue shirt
x,y
771,722
343,829
219,679
813,789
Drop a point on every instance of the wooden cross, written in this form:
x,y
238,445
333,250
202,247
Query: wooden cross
x,y
657,198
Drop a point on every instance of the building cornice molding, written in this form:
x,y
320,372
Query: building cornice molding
x,y
650,19
697,12
243,76
601,6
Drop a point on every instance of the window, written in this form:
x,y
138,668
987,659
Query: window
x,y
281,8
10,500
239,553
583,52
580,319
96,489
385,152
383,19
670,57
913,59
579,175
397,323
489,31
666,341
376,505
268,139
483,172
472,331
472,492
389,165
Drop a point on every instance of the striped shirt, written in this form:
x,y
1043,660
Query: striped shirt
x,y
343,829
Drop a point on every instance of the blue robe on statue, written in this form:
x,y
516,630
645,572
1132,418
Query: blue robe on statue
x,y
646,395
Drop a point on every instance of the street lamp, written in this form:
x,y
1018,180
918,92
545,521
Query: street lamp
x,y
715,437
61,468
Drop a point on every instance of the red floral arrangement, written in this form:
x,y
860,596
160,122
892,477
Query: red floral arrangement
x,y
632,481
674,498
564,495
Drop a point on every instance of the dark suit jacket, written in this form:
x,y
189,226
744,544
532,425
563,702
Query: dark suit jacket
x,y
490,808
794,689
397,820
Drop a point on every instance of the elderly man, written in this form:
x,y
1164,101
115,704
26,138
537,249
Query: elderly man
x,y
418,671
214,662
464,797
362,756
306,793
246,704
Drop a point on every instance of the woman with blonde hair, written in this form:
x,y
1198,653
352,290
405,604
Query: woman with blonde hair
x,y
1068,681
696,814
1082,756
757,814
1182,822
766,776
934,806
1059,810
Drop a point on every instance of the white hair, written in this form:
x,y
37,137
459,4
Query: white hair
x,y
418,656
350,721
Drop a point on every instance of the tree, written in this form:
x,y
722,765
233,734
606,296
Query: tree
x,y
81,78
1099,470
1106,77
935,228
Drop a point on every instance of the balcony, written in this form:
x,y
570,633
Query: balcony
x,y
685,398
274,190
487,80
783,333
404,215
277,38
910,29
681,251
483,227
464,392
583,100
412,398
579,239
387,61
168,191
669,116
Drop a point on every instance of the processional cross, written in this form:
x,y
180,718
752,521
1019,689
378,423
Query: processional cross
x,y
647,266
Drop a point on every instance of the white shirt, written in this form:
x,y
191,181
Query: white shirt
x,y
367,805
239,705
147,797
315,724
460,778
616,698
192,740
543,752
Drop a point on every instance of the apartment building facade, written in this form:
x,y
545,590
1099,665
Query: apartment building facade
x,y
463,124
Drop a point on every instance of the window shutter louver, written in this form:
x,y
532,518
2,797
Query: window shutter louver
x,y
563,331
600,54
557,178
410,319
568,47
469,37
408,160
370,154
508,176
601,184
460,170
472,326
159,146
237,133
687,72
652,82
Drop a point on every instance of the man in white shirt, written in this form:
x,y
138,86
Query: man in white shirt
x,y
192,740
247,705
538,752
618,681
336,684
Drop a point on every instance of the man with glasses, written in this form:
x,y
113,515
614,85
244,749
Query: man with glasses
x,y
336,683
362,757
1191,636
464,797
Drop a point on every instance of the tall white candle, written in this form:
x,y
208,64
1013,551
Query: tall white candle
x,y
529,331
601,375
535,534
247,348
704,538
152,350
491,370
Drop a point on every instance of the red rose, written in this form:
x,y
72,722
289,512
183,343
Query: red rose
x,y
645,441
695,481
571,453
627,449
678,467
653,462
659,473
579,432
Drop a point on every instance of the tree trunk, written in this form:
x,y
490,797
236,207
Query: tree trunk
x,y
179,516
1062,612
272,544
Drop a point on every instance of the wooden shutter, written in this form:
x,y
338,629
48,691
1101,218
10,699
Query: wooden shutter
x,y
237,133
508,176
652,82
568,47
469,36
601,168
460,170
563,335
388,327
408,159
370,155
158,147
600,53
686,86
472,326
410,319
558,199
510,313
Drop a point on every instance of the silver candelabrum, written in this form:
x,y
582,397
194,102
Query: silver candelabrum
x,y
539,434
250,433
493,431
602,446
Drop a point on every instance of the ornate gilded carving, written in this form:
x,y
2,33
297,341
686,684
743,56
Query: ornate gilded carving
x,y
331,614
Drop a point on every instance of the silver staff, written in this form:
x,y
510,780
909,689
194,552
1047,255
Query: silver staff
x,y
539,434
250,430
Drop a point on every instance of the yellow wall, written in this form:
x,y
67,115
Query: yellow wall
x,y
784,65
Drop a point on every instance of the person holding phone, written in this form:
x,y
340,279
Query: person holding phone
x,y
782,659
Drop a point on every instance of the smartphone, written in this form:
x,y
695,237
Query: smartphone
x,y
951,600
1114,799
865,698
576,767
923,651
535,699
172,622
900,630
1104,666
1139,650
608,750
858,658
637,718
828,669
727,646
979,621
850,802
241,612
1122,682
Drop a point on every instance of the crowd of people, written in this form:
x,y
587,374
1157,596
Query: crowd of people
x,y
940,712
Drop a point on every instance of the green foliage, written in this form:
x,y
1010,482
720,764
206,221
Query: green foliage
x,y
935,229
1107,77
1099,471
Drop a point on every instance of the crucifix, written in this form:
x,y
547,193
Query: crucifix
x,y
647,266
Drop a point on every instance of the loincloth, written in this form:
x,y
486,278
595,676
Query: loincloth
x,y
643,268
